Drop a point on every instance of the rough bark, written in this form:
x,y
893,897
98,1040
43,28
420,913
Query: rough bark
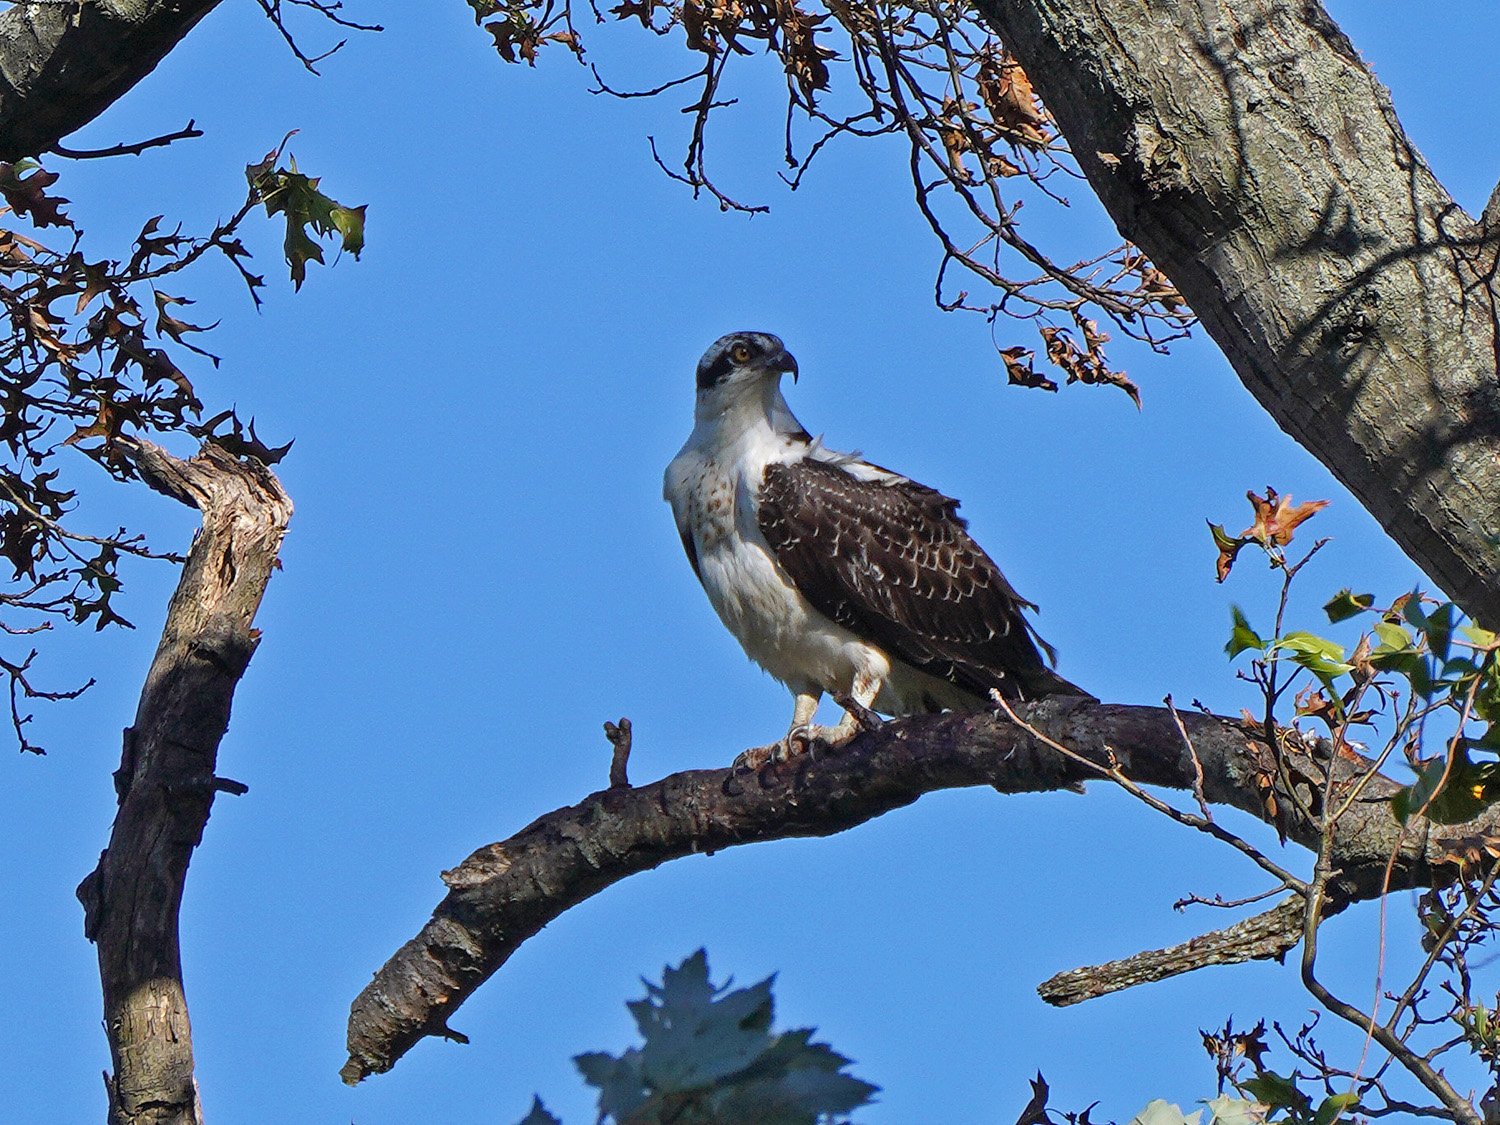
x,y
504,893
167,782
63,64
1248,150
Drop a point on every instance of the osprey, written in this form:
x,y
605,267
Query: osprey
x,y
834,574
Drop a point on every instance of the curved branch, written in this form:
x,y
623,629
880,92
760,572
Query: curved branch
x,y
1259,163
166,781
504,893
63,64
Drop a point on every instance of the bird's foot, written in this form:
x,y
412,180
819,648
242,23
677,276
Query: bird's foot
x,y
803,740
753,760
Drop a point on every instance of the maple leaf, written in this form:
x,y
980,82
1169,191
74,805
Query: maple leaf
x,y
1277,518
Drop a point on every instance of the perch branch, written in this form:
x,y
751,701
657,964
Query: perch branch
x,y
504,893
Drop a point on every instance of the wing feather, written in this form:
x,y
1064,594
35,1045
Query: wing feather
x,y
892,561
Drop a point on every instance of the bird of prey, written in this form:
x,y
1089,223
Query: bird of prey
x,y
834,574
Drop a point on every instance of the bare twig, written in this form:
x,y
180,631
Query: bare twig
x,y
187,132
620,738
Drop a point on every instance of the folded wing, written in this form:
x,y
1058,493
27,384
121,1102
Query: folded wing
x,y
893,562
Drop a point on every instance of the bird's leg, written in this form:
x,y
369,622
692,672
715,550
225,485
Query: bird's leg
x,y
857,714
802,732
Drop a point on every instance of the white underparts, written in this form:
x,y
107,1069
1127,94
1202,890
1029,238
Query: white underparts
x,y
712,485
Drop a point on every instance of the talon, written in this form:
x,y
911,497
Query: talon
x,y
805,734
754,759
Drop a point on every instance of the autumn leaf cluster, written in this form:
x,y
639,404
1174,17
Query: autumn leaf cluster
x,y
94,348
982,146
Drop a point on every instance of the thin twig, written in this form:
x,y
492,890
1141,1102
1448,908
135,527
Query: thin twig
x,y
187,132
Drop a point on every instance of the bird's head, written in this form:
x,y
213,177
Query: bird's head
x,y
741,361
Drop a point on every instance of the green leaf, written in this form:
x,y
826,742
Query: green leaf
x,y
1393,638
539,1115
1459,668
1449,791
1161,1112
1275,1091
708,1055
287,192
1226,1110
1413,612
1334,1107
1320,656
1346,604
1241,636
1438,625
1476,636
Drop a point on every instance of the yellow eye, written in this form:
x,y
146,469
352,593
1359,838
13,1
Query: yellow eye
x,y
741,353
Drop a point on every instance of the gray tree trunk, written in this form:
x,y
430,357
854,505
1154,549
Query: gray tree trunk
x,y
166,781
1249,151
63,64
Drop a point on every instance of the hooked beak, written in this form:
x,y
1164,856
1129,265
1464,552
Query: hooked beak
x,y
788,364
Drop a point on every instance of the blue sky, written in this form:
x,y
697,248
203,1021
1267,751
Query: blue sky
x,y
481,572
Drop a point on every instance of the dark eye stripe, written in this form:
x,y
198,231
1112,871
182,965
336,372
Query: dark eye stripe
x,y
714,372
741,351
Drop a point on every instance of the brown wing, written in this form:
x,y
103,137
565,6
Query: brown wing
x,y
894,563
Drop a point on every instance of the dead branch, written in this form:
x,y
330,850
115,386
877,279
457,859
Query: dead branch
x,y
166,781
1268,934
504,893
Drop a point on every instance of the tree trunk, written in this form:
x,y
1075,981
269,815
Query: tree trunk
x,y
1246,148
166,781
63,64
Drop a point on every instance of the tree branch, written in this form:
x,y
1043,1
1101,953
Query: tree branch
x,y
1261,166
134,148
62,65
1269,934
166,781
504,893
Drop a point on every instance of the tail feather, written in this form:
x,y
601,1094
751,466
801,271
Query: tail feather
x,y
1043,681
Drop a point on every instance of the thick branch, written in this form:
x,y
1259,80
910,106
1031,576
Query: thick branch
x,y
1249,151
63,64
504,893
166,781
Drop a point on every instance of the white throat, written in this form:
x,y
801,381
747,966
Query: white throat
x,y
724,416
